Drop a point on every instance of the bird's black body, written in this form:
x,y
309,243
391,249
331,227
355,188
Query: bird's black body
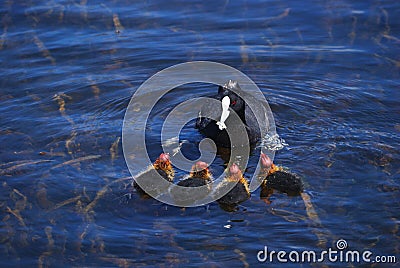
x,y
236,195
186,196
284,182
192,182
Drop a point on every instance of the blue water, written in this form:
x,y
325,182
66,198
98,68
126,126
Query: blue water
x,y
329,70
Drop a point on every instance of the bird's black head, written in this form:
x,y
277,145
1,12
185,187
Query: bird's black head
x,y
236,103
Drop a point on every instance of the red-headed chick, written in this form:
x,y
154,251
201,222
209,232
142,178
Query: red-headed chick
x,y
150,178
278,179
199,176
240,191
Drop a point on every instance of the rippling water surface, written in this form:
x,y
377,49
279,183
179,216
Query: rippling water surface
x,y
329,70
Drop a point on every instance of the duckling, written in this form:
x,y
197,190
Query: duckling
x,y
238,194
199,176
283,181
278,179
149,179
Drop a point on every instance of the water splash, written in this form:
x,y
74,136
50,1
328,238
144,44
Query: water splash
x,y
273,142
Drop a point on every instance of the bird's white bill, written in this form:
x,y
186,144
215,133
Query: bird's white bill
x,y
226,101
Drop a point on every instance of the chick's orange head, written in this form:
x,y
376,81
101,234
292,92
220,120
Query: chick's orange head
x,y
164,157
235,172
199,166
163,162
266,162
